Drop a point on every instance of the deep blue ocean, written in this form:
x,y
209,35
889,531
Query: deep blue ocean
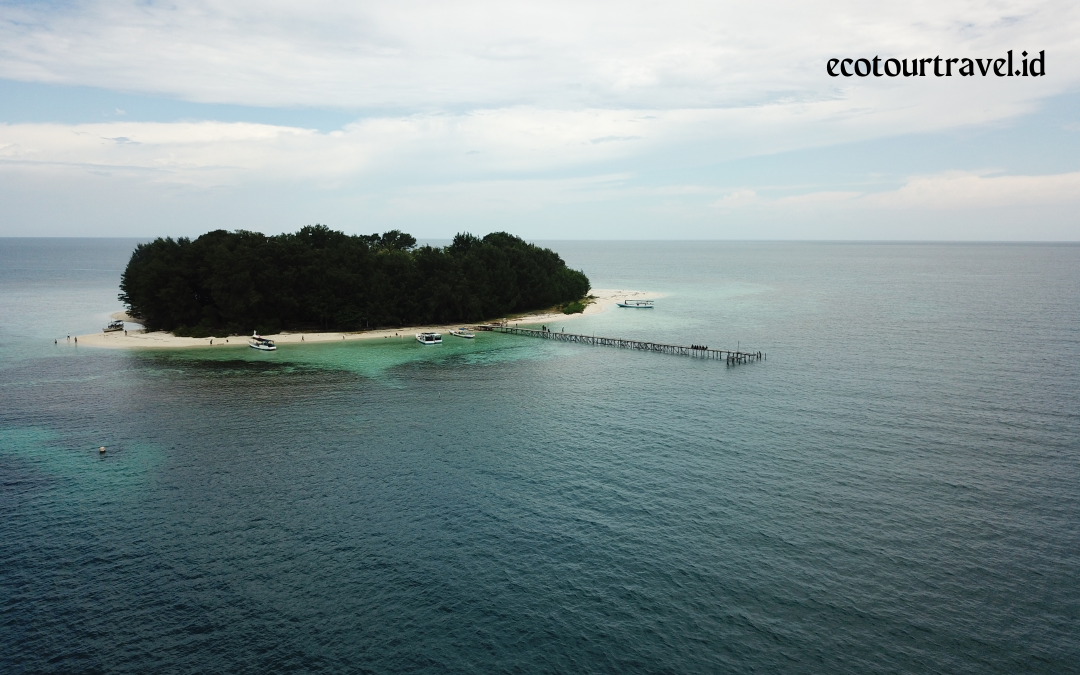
x,y
895,490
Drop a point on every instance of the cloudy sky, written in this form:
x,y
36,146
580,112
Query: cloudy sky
x,y
552,120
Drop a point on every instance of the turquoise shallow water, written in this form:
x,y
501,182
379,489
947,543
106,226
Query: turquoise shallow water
x,y
894,490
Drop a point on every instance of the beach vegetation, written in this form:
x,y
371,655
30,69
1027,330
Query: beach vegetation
x,y
322,279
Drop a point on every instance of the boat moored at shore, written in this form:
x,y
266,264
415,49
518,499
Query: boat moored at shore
x,y
113,327
261,343
463,332
637,304
429,338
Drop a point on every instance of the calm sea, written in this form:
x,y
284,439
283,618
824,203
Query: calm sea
x,y
896,489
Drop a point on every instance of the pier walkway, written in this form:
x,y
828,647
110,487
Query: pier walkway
x,y
729,356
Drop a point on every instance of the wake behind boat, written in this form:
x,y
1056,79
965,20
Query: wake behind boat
x,y
429,338
463,333
637,304
261,343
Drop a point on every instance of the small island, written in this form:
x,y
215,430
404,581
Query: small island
x,y
230,283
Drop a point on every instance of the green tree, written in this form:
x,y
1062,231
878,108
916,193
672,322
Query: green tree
x,y
319,278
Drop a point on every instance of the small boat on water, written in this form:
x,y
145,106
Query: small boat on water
x,y
261,343
637,304
429,338
463,332
113,327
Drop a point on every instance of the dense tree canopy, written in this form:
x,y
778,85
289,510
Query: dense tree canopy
x,y
318,278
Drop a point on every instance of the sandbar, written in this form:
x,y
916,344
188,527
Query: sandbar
x,y
601,300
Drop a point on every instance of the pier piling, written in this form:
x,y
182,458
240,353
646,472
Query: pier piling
x,y
731,357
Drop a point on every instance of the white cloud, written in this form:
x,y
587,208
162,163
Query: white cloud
x,y
736,199
948,191
514,87
964,190
554,102
483,144
480,54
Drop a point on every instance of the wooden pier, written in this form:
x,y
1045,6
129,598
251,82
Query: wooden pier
x,y
731,357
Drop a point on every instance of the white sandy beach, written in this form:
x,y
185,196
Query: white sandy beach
x,y
139,339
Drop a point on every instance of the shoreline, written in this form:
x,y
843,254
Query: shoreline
x,y
140,339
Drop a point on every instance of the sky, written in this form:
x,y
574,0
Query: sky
x,y
550,120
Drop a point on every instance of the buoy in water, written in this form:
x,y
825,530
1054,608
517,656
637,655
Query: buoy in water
x,y
101,450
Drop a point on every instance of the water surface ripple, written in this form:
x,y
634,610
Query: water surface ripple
x,y
894,490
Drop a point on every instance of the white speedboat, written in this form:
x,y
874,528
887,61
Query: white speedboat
x,y
637,304
463,332
429,338
113,327
261,343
